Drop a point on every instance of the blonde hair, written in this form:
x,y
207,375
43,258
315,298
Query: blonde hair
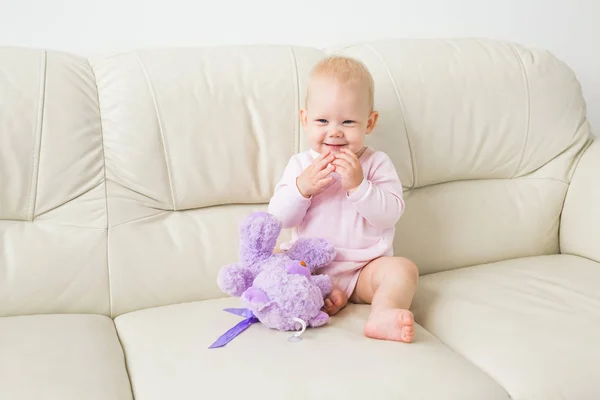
x,y
346,70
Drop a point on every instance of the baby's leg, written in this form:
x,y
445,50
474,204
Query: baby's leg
x,y
388,284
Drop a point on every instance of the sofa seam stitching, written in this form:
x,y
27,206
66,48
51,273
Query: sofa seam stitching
x,y
296,144
110,300
49,223
69,200
141,218
467,360
35,172
528,107
402,110
590,141
523,178
160,129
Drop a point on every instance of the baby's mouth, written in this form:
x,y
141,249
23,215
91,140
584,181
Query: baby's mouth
x,y
334,146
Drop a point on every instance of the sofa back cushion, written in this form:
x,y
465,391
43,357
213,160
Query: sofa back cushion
x,y
195,139
485,136
53,239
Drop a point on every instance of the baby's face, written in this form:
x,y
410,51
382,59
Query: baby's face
x,y
337,116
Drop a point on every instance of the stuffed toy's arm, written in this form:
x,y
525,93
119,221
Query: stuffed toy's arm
x,y
324,283
234,279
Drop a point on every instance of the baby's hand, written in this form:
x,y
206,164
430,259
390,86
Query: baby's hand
x,y
316,177
350,170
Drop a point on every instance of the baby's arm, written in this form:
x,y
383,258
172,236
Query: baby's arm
x,y
287,204
379,198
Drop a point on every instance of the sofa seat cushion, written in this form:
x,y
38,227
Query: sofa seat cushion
x,y
61,357
168,358
531,324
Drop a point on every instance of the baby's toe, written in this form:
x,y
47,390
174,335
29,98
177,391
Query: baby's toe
x,y
407,318
408,333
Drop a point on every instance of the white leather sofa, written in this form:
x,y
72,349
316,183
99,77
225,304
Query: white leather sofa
x,y
123,179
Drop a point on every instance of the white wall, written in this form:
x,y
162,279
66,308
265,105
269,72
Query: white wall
x,y
569,28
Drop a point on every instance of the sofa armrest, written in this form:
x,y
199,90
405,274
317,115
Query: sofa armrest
x,y
580,220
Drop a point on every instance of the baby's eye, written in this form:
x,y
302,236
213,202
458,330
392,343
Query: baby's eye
x,y
322,121
347,122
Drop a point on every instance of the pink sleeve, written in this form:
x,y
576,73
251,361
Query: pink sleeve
x,y
287,204
379,198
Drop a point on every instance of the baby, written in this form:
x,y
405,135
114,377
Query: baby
x,y
350,195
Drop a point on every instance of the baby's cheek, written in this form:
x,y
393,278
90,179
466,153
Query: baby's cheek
x,y
358,133
315,135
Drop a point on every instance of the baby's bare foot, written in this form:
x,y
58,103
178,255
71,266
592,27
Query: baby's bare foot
x,y
336,300
391,324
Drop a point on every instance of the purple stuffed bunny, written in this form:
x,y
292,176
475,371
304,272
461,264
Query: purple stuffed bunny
x,y
278,287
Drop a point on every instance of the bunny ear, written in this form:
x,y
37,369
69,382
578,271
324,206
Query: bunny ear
x,y
258,237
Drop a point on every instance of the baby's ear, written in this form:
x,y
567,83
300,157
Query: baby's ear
x,y
372,121
304,117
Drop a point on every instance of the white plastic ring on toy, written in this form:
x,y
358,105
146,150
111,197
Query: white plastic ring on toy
x,y
296,336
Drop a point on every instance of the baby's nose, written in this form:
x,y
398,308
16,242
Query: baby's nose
x,y
335,132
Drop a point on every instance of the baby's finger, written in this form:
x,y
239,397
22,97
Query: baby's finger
x,y
325,171
327,158
323,155
342,171
324,182
352,161
321,164
350,153
339,162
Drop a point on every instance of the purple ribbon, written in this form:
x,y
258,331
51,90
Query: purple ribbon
x,y
241,326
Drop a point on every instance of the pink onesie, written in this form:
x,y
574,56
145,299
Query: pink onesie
x,y
361,225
